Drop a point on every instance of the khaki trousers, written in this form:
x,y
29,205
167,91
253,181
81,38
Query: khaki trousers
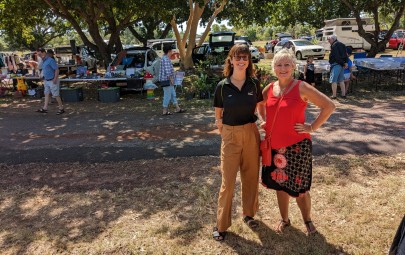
x,y
239,151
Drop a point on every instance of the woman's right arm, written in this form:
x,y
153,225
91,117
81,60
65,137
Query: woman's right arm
x,y
218,118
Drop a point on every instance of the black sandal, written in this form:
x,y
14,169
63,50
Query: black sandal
x,y
42,110
218,236
61,111
250,221
167,113
310,227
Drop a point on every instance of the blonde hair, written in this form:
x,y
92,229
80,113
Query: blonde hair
x,y
284,54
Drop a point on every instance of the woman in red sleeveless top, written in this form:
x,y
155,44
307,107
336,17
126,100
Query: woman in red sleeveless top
x,y
283,108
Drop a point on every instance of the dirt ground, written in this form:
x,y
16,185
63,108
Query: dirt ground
x,y
123,179
91,131
101,178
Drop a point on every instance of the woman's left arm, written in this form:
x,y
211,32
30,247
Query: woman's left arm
x,y
309,93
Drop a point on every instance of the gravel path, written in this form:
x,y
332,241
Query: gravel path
x,y
94,132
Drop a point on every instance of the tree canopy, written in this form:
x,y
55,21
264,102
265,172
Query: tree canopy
x,y
29,31
100,24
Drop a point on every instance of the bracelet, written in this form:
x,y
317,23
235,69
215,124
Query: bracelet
x,y
218,120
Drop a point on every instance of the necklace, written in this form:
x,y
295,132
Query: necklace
x,y
278,91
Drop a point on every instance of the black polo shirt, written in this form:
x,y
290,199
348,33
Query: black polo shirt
x,y
238,106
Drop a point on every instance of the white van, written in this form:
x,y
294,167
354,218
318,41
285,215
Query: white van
x,y
158,44
346,31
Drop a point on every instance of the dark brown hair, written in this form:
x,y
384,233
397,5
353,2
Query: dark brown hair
x,y
235,51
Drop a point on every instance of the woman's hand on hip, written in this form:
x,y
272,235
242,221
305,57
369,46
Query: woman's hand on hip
x,y
303,128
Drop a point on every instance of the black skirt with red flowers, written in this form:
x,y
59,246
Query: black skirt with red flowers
x,y
291,169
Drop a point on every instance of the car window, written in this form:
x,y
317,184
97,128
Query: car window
x,y
63,50
221,38
286,38
136,60
172,44
281,43
157,46
303,43
152,56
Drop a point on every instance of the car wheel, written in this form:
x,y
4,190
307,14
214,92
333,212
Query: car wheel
x,y
299,55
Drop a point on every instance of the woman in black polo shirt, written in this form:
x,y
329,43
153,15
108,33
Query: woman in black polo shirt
x,y
235,103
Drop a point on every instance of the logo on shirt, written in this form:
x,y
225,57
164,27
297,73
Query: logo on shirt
x,y
250,93
230,95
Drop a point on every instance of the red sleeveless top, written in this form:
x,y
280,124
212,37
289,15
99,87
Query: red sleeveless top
x,y
291,111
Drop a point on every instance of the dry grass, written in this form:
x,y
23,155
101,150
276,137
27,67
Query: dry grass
x,y
167,206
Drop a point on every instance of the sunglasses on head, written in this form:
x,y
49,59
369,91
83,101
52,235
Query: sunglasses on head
x,y
244,58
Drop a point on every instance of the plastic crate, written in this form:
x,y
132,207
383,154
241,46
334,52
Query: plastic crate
x,y
109,95
39,92
71,94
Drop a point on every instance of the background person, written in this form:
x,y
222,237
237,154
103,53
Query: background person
x,y
348,71
309,71
40,53
290,171
50,72
235,103
20,72
166,79
338,62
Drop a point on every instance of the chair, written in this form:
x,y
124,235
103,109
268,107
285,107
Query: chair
x,y
178,80
361,70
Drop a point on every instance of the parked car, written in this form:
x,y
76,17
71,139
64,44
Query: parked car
x,y
243,38
396,39
158,45
307,37
83,56
254,52
132,63
217,48
302,48
280,37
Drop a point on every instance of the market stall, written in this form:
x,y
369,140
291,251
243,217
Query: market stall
x,y
382,70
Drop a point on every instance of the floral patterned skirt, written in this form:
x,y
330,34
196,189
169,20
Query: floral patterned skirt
x,y
291,169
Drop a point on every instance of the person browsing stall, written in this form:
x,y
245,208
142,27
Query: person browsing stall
x,y
309,71
50,72
21,71
235,102
348,71
338,62
166,79
289,169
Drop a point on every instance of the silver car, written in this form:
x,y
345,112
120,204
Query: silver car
x,y
302,48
